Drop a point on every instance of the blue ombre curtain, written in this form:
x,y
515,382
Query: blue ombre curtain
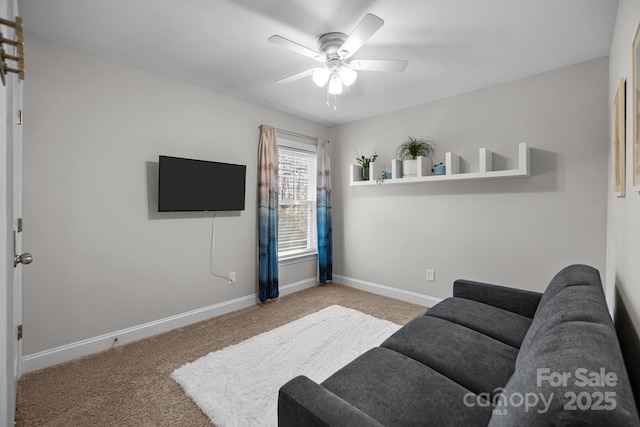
x,y
325,241
268,214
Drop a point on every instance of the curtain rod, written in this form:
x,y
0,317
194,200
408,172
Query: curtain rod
x,y
299,135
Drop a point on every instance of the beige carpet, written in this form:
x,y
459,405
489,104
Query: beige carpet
x,y
131,385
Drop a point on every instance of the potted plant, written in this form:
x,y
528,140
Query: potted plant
x,y
365,162
411,150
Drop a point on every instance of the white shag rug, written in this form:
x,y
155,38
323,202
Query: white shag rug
x,y
238,385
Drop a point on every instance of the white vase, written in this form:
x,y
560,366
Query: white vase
x,y
409,168
417,167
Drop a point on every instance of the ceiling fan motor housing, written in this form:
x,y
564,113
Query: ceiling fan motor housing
x,y
330,44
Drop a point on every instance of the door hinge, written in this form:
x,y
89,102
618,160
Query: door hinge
x,y
19,332
20,119
19,225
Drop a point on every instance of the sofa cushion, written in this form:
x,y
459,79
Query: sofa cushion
x,y
574,376
505,326
396,390
579,303
573,275
473,360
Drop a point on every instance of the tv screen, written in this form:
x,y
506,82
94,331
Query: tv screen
x,y
199,185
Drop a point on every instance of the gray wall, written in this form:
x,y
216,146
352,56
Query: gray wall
x,y
104,258
515,231
623,243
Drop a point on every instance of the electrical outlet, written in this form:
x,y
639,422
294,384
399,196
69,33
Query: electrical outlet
x,y
232,278
431,275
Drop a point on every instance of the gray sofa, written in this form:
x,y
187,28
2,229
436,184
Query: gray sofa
x,y
490,355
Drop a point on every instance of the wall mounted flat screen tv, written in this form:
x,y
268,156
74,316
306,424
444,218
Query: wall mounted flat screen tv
x,y
199,185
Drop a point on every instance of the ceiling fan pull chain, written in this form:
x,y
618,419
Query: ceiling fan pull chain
x,y
333,104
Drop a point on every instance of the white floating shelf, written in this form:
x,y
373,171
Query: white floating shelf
x,y
452,162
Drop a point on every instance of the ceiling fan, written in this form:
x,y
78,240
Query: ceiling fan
x,y
335,51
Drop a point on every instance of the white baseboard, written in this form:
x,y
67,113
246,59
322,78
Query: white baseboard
x,y
46,358
387,291
54,356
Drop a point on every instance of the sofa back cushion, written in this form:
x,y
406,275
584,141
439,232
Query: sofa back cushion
x,y
573,275
583,304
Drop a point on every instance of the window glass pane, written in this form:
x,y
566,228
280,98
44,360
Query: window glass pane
x,y
297,175
293,229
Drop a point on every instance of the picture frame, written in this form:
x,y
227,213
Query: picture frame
x,y
618,139
635,97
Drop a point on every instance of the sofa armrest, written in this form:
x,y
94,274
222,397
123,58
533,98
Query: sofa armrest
x,y
515,300
302,402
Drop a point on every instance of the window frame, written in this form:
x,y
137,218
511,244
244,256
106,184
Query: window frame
x,y
306,148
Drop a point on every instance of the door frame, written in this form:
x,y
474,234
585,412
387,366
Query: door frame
x,y
10,291
7,384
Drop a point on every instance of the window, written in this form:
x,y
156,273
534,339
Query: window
x,y
297,204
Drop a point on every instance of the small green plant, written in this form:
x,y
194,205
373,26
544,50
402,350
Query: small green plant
x,y
414,147
366,161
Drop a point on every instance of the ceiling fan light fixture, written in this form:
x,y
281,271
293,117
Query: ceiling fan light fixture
x,y
321,76
347,75
335,84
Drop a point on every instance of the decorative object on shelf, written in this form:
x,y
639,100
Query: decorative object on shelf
x,y
618,140
384,175
18,44
411,151
635,90
365,162
439,169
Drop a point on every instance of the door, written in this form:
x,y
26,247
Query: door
x,y
10,232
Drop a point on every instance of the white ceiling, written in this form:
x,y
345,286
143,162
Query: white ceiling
x,y
453,46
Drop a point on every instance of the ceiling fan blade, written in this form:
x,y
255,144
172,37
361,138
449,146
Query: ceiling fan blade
x,y
363,31
303,50
379,65
295,77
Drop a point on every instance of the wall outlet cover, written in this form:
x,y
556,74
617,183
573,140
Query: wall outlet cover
x,y
431,275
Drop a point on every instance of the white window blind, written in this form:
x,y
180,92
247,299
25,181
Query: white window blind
x,y
297,204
